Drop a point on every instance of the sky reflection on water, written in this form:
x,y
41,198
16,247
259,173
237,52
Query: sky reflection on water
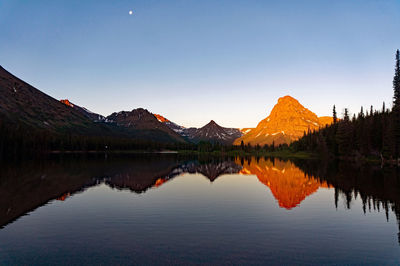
x,y
169,210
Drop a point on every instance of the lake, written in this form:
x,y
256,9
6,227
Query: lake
x,y
173,209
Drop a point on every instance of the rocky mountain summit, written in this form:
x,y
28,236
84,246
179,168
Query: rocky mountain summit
x,y
141,119
213,132
287,122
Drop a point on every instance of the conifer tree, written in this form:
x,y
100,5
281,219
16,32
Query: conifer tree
x,y
334,114
344,135
361,114
346,115
370,133
387,139
396,81
396,105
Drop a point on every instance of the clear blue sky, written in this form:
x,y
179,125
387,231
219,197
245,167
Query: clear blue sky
x,y
193,61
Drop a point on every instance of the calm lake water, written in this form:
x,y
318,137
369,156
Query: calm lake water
x,y
167,209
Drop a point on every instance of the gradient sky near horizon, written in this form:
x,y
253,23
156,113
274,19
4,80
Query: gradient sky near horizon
x,y
193,61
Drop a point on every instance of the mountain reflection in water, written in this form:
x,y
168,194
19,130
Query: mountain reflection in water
x,y
25,188
289,185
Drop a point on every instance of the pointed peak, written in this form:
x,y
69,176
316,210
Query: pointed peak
x,y
287,98
286,122
211,123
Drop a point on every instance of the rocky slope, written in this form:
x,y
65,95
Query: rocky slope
x,y
92,116
212,132
175,127
325,120
287,122
246,130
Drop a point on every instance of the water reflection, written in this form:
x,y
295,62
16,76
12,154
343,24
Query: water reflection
x,y
288,183
378,189
23,188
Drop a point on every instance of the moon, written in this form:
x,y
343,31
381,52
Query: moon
x,y
130,12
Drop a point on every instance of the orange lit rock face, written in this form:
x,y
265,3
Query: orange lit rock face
x,y
66,102
161,118
325,120
160,181
289,185
287,122
245,130
64,197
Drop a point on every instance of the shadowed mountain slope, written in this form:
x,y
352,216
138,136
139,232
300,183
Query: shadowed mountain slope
x,y
20,103
92,116
23,107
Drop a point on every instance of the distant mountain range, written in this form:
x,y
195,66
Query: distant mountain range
x,y
22,104
212,132
141,119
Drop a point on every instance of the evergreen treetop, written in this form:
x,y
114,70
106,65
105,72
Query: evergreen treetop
x,y
396,82
334,114
346,115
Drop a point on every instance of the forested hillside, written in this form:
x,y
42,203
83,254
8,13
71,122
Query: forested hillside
x,y
370,133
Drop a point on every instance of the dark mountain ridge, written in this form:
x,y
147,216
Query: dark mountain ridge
x,y
23,104
89,114
142,119
55,125
212,132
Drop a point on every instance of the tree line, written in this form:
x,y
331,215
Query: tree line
x,y
18,141
370,133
